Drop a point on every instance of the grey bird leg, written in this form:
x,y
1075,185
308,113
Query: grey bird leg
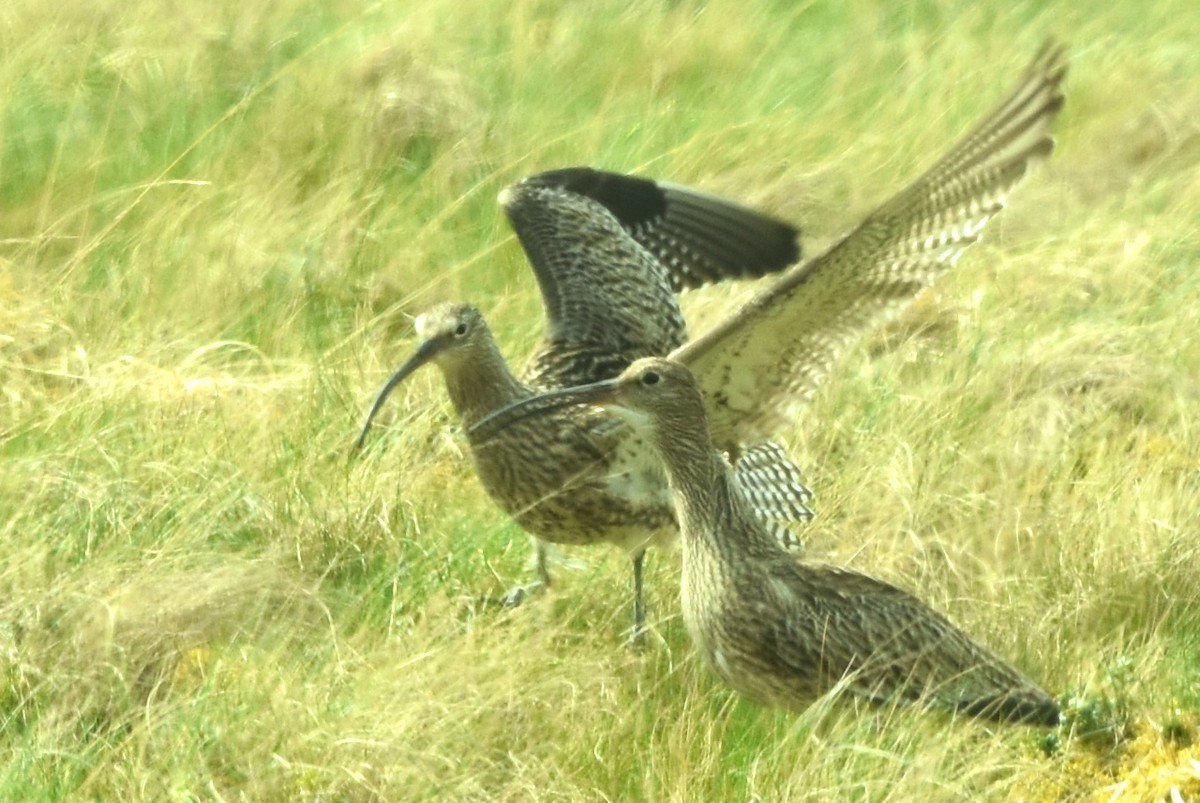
x,y
541,555
637,639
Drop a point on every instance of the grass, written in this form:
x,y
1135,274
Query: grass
x,y
216,225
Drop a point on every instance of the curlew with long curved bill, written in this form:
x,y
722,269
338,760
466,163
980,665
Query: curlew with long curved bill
x,y
778,630
581,475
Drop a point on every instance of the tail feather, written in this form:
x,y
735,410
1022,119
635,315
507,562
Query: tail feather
x,y
775,487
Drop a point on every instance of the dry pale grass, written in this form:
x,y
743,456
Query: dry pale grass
x,y
217,225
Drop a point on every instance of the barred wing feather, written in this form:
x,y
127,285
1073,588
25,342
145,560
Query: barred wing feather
x,y
774,352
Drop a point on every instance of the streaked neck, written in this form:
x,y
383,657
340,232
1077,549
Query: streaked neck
x,y
482,384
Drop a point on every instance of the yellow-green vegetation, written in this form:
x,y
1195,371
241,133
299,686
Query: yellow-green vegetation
x,y
216,220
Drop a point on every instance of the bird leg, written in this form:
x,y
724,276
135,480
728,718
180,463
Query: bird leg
x,y
541,560
637,639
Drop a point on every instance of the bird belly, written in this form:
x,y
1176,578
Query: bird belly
x,y
571,482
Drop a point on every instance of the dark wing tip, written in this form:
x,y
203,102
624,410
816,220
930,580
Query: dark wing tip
x,y
634,201
1051,58
718,239
699,238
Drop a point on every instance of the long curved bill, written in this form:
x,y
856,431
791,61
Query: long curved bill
x,y
598,393
423,354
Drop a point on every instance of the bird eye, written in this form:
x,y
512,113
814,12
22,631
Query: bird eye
x,y
650,378
460,330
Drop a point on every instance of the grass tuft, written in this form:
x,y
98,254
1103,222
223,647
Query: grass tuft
x,y
218,223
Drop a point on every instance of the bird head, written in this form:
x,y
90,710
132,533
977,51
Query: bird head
x,y
650,393
450,335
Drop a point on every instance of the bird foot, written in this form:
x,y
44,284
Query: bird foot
x,y
515,596
636,639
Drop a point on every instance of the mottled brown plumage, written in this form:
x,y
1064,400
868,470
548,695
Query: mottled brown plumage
x,y
609,252
781,631
756,365
609,300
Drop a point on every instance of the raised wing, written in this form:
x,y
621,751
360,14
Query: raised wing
x,y
699,238
772,354
609,252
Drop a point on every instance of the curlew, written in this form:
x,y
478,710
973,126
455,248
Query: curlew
x,y
580,475
778,630
610,252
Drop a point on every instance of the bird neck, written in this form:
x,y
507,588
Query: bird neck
x,y
712,512
482,384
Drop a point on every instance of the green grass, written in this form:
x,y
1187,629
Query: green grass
x,y
216,222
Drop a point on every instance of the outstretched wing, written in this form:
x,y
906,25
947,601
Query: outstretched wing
x,y
610,251
774,352
699,238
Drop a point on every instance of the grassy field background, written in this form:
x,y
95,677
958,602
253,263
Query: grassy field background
x,y
216,221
